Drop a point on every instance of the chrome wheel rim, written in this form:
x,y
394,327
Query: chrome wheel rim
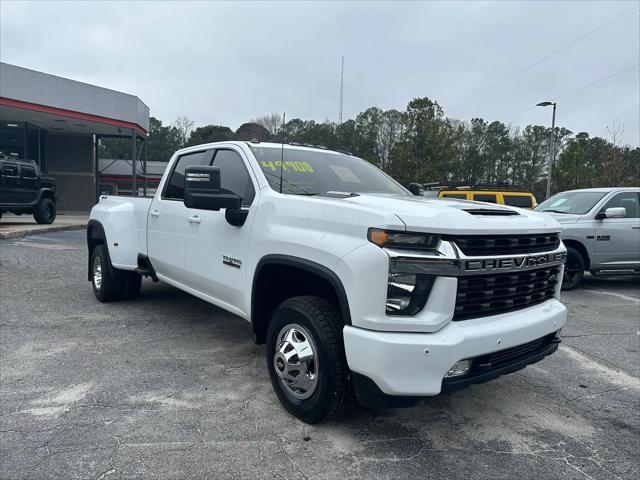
x,y
97,273
296,362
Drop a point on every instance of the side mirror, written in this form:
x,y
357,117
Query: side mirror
x,y
202,190
615,212
416,189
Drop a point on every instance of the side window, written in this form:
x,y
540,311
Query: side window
x,y
484,197
10,170
628,200
461,196
234,175
27,172
174,190
523,201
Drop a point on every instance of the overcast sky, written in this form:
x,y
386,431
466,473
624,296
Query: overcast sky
x,y
225,63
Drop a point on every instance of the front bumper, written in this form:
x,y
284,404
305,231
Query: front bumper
x,y
415,364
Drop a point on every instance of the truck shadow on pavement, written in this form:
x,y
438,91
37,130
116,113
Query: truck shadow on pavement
x,y
525,417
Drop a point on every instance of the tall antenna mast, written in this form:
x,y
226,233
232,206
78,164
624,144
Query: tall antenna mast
x,y
341,89
284,122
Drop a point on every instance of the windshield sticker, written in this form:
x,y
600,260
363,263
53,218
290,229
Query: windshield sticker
x,y
558,202
345,174
300,167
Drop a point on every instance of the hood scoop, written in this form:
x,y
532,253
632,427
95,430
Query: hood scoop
x,y
492,212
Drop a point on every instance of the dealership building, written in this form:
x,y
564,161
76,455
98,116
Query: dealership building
x,y
58,123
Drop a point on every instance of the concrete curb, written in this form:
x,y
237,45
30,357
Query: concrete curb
x,y
29,231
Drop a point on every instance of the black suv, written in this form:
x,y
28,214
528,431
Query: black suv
x,y
24,189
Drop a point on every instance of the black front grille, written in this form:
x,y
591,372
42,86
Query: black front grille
x,y
504,357
492,365
491,245
482,295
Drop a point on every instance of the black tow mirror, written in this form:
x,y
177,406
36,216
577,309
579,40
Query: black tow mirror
x,y
202,190
416,189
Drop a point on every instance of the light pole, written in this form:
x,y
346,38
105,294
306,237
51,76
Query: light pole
x,y
551,143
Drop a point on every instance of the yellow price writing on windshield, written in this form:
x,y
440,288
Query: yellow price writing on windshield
x,y
301,167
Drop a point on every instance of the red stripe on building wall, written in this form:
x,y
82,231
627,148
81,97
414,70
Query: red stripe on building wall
x,y
116,178
9,102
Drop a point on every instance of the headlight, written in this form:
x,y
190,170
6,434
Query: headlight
x,y
394,239
407,293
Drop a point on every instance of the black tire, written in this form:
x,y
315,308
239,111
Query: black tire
x,y
109,285
573,269
333,394
45,211
132,283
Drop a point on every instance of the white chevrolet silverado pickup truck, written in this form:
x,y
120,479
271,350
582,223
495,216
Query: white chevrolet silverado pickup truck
x,y
357,287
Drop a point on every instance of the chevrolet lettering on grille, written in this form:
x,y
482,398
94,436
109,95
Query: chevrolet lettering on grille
x,y
514,263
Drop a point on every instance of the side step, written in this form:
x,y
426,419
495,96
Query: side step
x,y
145,268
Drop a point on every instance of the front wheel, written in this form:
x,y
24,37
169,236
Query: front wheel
x,y
573,269
306,361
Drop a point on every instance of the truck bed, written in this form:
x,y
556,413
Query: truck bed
x,y
125,225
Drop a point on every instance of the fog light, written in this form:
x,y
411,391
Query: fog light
x,y
459,368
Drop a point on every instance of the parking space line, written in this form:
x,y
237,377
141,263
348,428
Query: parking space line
x,y
613,294
606,371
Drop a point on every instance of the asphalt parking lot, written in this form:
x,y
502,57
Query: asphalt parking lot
x,y
168,386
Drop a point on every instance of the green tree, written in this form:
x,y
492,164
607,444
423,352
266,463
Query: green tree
x,y
163,141
209,134
427,150
252,131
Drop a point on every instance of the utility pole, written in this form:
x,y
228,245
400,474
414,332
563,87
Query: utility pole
x,y
551,144
341,90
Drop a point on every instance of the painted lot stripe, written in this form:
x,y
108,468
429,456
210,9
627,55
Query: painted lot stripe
x,y
613,294
602,370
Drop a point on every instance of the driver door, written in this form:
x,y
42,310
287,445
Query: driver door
x,y
618,239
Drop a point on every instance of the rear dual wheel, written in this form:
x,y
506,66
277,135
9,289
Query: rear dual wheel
x,y
110,284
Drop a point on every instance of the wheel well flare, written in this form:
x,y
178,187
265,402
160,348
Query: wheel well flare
x,y
279,277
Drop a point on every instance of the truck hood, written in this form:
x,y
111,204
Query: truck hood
x,y
447,216
563,217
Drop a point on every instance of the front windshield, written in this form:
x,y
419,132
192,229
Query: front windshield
x,y
576,203
313,172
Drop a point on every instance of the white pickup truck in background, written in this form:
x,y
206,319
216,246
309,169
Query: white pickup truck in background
x,y
356,286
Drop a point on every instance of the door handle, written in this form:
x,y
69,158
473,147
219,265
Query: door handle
x,y
154,213
635,227
194,219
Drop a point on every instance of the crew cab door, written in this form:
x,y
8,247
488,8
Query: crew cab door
x,y
216,251
168,220
618,239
